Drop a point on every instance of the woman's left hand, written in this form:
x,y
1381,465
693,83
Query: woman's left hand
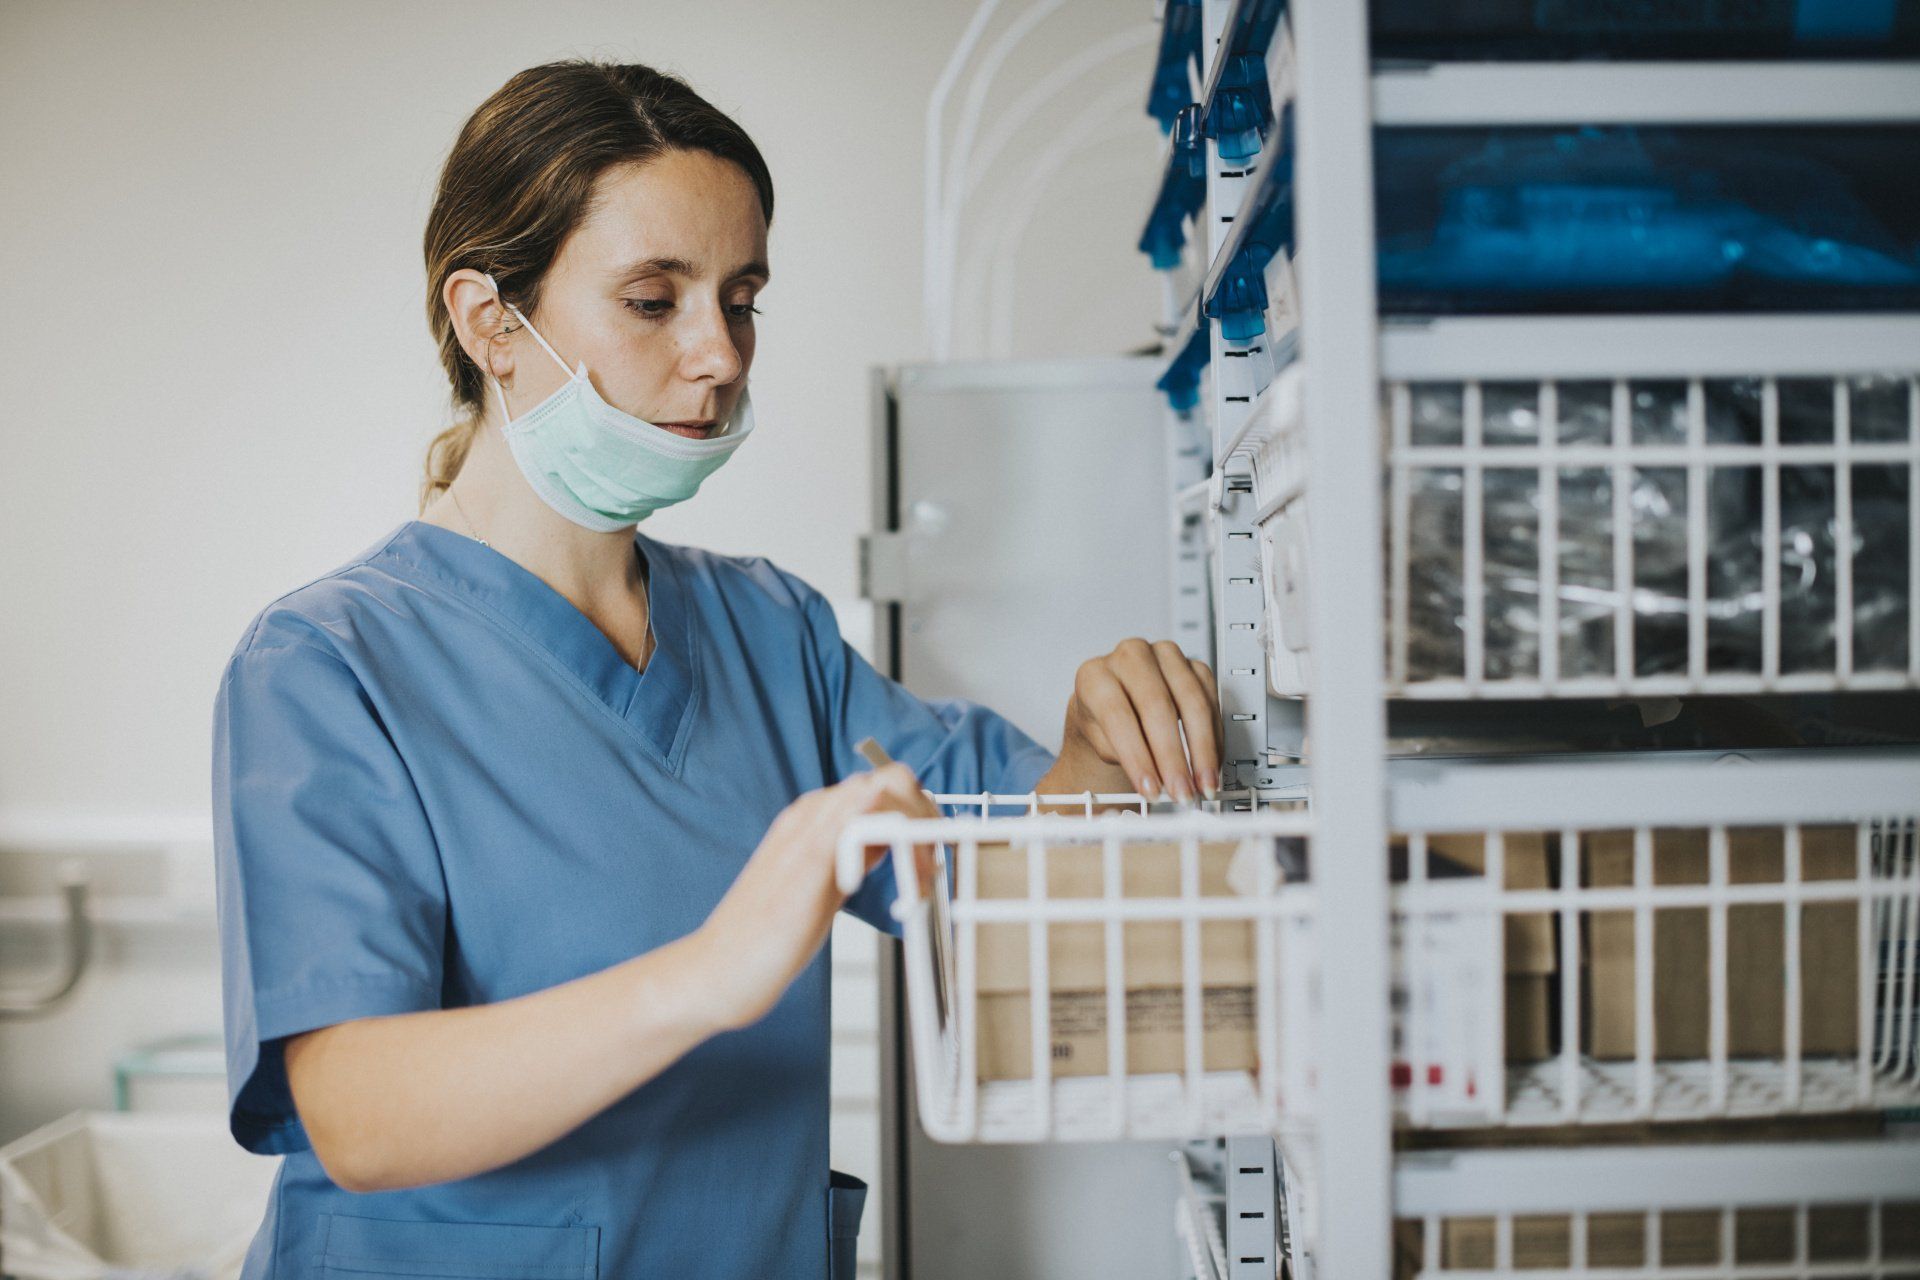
x,y
1128,713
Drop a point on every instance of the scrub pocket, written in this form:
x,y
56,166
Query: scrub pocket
x,y
846,1198
354,1246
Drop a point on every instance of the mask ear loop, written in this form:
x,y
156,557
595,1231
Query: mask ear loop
x,y
505,415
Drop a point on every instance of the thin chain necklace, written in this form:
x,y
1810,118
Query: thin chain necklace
x,y
463,515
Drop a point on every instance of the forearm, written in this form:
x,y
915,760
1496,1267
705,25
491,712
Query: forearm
x,y
429,1097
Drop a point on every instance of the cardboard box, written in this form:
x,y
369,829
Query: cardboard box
x,y
1544,1242
1756,949
1529,1018
1077,973
1529,935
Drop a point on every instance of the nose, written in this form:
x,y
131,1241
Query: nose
x,y
709,350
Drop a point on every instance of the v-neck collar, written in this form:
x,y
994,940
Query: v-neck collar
x,y
655,703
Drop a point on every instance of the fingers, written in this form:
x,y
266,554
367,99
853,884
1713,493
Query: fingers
x,y
1199,712
1143,674
893,788
1147,689
1104,700
901,792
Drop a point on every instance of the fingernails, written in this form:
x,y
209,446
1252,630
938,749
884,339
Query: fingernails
x,y
1181,791
1149,786
1210,784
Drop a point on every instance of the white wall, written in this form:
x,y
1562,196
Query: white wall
x,y
220,382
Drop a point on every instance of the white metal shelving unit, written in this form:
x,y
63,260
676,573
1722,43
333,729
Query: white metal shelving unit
x,y
1290,398
1381,898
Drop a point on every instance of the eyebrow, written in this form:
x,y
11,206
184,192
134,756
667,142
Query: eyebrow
x,y
681,267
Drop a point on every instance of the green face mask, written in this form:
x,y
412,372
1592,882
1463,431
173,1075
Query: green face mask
x,y
599,467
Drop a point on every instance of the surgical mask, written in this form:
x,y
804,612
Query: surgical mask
x,y
602,468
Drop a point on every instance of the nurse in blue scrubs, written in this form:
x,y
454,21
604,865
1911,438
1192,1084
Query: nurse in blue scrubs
x,y
525,820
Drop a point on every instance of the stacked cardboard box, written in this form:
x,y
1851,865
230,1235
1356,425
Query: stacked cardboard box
x,y
1154,999
1761,1237
1077,967
1756,948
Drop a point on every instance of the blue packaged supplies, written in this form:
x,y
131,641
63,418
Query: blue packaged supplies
x,y
1619,218
1443,30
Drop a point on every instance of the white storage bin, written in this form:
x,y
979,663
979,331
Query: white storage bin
x,y
1154,925
129,1196
1647,536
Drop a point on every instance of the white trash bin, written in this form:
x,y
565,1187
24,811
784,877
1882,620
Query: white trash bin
x,y
102,1195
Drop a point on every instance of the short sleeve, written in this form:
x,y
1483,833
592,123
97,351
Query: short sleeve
x,y
331,899
954,745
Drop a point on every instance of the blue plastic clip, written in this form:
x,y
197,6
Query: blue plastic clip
x,y
1181,381
1179,47
1239,301
1242,108
1183,190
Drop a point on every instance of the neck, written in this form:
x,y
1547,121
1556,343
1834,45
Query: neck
x,y
592,570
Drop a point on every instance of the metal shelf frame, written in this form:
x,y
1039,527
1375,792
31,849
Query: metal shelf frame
x,y
1637,1178
1294,416
1512,93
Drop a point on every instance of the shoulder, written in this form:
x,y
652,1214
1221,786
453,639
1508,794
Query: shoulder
x,y
743,582
316,619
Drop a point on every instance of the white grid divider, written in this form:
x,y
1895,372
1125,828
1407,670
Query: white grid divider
x,y
1415,953
1400,512
1549,538
1116,982
1913,536
1770,531
1643,1038
1622,531
1039,1011
1473,497
1843,530
1790,943
1568,843
1697,530
1493,1030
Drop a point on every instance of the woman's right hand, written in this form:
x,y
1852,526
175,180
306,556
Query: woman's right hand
x,y
779,911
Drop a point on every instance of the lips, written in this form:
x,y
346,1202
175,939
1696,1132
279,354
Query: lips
x,y
691,430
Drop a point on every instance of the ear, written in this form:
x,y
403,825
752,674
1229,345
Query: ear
x,y
478,321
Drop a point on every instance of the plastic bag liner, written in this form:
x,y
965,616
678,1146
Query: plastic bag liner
x,y
130,1196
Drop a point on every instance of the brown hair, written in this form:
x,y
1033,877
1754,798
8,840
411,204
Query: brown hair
x,y
519,180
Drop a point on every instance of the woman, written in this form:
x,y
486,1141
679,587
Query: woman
x,y
525,820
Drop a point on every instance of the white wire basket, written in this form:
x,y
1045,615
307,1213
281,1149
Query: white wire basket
x,y
1599,976
1650,537
1162,923
1565,973
1585,975
1779,1210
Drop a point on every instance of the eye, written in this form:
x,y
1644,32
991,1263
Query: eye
x,y
740,311
651,308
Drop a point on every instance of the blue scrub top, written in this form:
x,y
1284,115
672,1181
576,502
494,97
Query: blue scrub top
x,y
437,784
